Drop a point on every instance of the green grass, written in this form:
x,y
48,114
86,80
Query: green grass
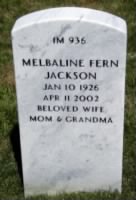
x,y
10,181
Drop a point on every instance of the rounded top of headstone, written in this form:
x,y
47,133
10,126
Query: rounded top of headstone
x,y
72,14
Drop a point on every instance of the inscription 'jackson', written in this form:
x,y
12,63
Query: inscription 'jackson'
x,y
70,75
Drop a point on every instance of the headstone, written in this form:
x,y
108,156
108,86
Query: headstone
x,y
70,80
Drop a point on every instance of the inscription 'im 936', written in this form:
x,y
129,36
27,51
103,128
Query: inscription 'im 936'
x,y
72,40
70,81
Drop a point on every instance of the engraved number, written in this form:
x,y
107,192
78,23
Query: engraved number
x,y
77,40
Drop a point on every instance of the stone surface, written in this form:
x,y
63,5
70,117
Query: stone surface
x,y
70,80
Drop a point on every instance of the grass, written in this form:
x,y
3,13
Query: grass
x,y
10,182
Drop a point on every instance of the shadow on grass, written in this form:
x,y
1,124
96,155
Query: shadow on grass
x,y
15,142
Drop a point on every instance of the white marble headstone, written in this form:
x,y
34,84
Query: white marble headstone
x,y
70,81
